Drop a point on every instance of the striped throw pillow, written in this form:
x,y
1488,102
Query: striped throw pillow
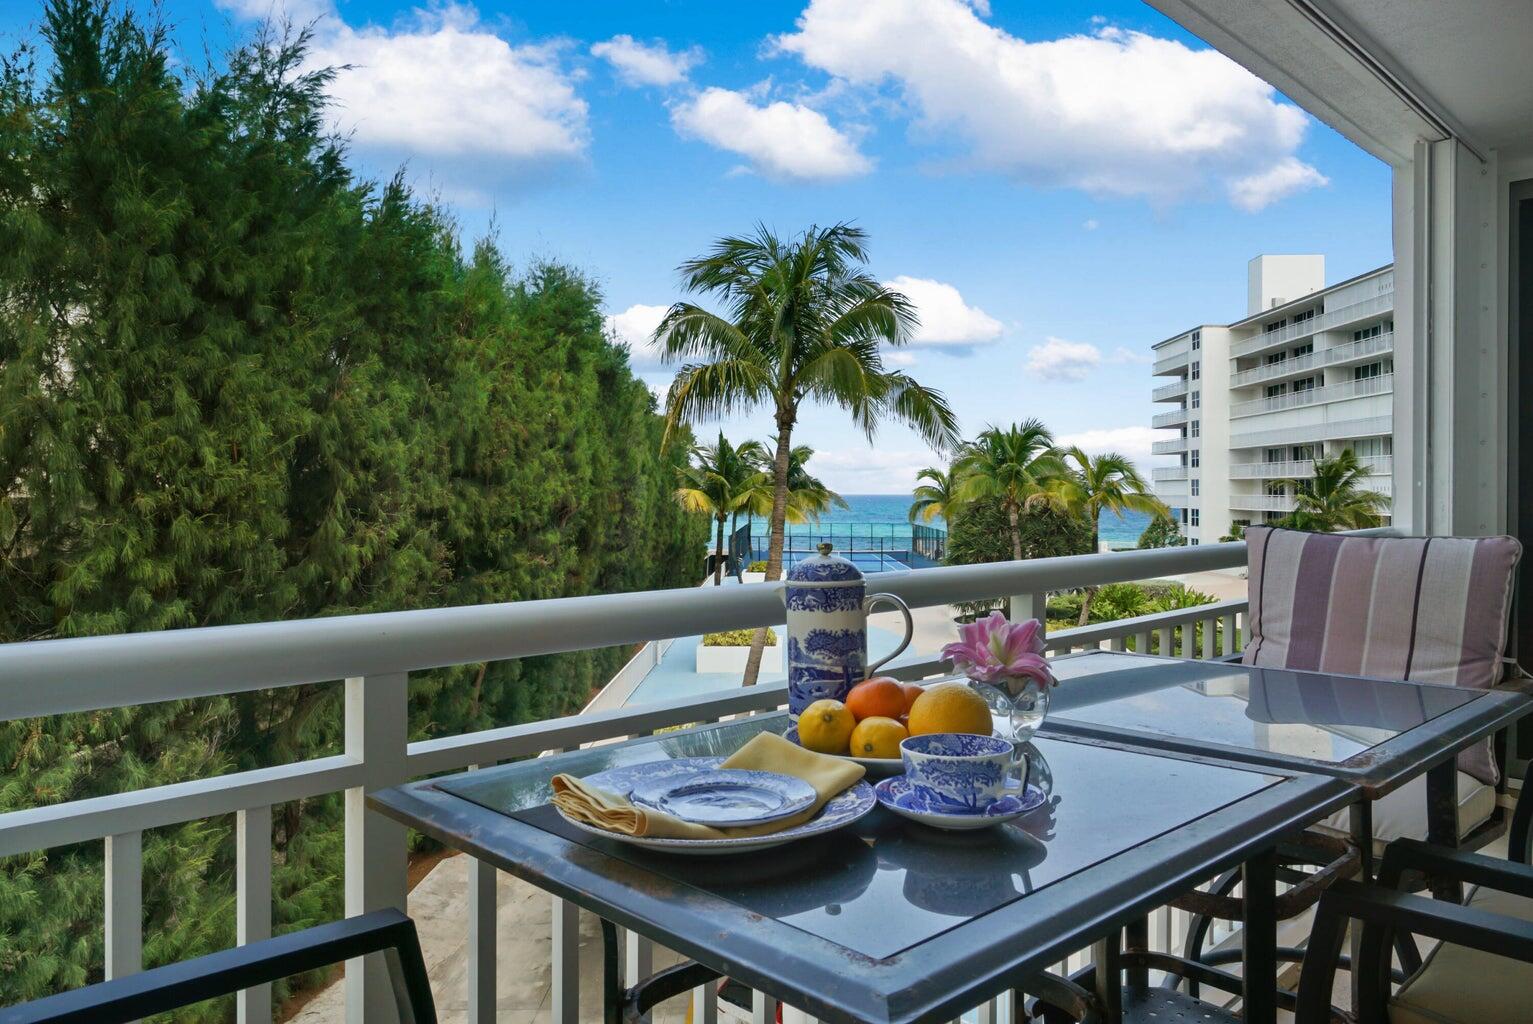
x,y
1424,609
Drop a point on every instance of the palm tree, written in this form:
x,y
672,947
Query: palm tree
x,y
1019,466
808,497
1107,483
803,320
939,497
1335,498
722,481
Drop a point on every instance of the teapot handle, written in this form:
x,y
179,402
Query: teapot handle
x,y
910,627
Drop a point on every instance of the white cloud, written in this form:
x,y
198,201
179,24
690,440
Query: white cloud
x,y
899,357
1114,112
654,63
634,328
1124,354
445,86
946,319
1092,224
299,12
1281,179
1058,359
781,140
1133,442
871,470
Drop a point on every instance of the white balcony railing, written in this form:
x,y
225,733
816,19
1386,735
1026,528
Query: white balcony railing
x,y
1174,418
1263,502
1312,433
1173,445
375,655
1336,355
1381,385
1168,361
1331,318
1169,391
1175,498
1380,468
1170,473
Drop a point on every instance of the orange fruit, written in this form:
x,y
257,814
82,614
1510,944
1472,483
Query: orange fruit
x,y
826,727
912,691
950,707
876,698
877,737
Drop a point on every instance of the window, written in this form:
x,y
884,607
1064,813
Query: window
x,y
1367,371
1197,340
1195,483
1194,517
1276,325
1197,370
1302,452
1194,454
1277,390
1196,428
1192,541
1184,517
1304,384
1304,349
1368,332
1274,490
1308,314
1197,399
1275,358
1372,447
1274,455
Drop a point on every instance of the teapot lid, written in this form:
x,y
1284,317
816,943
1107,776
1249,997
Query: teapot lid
x,y
825,568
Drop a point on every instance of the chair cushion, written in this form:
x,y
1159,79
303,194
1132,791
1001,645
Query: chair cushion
x,y
1403,813
1459,985
1424,609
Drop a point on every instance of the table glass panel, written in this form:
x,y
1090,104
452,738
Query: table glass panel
x,y
1301,714
885,884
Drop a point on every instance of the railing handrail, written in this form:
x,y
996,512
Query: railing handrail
x,y
1362,387
1358,348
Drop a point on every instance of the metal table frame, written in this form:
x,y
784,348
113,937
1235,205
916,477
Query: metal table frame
x,y
935,980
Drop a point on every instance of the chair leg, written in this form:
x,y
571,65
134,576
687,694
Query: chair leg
x,y
1192,947
407,974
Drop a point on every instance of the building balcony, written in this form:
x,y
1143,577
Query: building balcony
x,y
1367,386
1380,469
1171,361
1172,472
1326,321
1298,366
1262,502
1178,498
1174,418
1173,446
1335,430
1170,391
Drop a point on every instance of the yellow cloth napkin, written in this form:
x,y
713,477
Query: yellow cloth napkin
x,y
765,752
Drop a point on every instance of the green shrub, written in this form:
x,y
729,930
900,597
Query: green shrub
x,y
737,638
759,565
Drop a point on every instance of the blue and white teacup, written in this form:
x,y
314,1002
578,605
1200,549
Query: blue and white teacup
x,y
954,772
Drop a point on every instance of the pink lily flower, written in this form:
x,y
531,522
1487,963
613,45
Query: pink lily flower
x,y
994,649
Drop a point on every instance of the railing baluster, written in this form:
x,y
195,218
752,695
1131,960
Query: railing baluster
x,y
482,879
763,1008
1210,638
124,904
638,960
252,868
377,709
1229,634
1031,606
565,962
1165,641
705,1005
1142,642
1119,643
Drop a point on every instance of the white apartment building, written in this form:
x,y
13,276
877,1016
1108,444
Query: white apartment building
x,y
1309,372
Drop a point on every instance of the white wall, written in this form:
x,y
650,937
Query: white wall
x,y
1272,280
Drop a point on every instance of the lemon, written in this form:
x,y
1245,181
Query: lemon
x,y
825,727
877,737
950,707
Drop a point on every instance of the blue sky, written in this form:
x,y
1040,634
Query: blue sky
x,y
1058,186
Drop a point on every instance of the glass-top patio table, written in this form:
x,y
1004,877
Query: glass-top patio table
x,y
888,922
1375,734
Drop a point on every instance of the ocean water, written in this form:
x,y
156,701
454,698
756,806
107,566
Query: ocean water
x,y
872,516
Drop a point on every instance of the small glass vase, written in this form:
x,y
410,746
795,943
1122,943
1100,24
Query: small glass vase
x,y
1018,709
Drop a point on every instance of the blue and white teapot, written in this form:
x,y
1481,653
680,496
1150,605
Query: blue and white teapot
x,y
828,629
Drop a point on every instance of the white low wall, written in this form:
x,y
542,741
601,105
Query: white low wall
x,y
732,659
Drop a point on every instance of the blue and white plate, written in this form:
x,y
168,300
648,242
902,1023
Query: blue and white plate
x,y
899,796
841,810
727,797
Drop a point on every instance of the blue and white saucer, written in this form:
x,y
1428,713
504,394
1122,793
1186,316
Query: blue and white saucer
x,y
898,795
727,797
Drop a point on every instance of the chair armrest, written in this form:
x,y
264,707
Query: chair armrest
x,y
1382,912
191,981
1456,865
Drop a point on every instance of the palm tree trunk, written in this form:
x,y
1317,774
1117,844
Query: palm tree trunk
x,y
1016,531
718,555
774,535
1090,592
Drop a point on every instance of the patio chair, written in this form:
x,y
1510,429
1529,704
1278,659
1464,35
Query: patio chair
x,y
1426,609
1482,970
177,985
